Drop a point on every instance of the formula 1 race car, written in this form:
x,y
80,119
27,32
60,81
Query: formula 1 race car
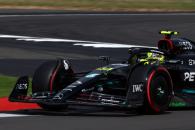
x,y
150,80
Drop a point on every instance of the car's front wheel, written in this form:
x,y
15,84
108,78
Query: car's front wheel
x,y
51,77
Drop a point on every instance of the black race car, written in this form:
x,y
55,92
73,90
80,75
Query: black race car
x,y
150,80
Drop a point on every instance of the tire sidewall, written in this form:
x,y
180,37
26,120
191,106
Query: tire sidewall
x,y
42,76
45,79
150,105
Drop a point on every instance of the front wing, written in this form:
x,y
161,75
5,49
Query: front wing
x,y
19,94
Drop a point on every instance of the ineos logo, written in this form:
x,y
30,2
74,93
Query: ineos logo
x,y
186,45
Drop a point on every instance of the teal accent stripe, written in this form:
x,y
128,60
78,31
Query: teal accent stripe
x,y
188,91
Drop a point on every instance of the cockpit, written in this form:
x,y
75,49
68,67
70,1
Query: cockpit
x,y
146,56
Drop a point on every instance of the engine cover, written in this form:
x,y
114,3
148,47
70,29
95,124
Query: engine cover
x,y
175,46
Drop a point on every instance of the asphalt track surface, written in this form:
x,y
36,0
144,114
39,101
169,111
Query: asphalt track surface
x,y
21,57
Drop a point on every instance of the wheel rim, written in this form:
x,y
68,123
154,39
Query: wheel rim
x,y
159,90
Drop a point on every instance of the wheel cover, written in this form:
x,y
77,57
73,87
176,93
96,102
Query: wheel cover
x,y
158,90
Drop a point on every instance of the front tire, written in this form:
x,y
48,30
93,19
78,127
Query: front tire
x,y
51,77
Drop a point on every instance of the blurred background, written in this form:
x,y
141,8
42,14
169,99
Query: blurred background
x,y
102,5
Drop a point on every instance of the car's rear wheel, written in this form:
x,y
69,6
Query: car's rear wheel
x,y
51,77
158,91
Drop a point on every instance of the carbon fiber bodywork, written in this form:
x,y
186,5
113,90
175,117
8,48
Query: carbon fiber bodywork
x,y
126,84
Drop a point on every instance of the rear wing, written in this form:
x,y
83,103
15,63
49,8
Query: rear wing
x,y
168,34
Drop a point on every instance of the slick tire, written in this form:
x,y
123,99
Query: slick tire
x,y
51,77
42,76
159,91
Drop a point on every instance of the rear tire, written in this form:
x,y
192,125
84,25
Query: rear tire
x,y
158,91
51,77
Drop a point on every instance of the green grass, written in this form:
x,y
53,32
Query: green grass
x,y
104,5
6,85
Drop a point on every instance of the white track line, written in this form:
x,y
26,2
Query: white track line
x,y
106,14
3,115
110,45
74,42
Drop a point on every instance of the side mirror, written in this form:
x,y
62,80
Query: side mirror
x,y
104,59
